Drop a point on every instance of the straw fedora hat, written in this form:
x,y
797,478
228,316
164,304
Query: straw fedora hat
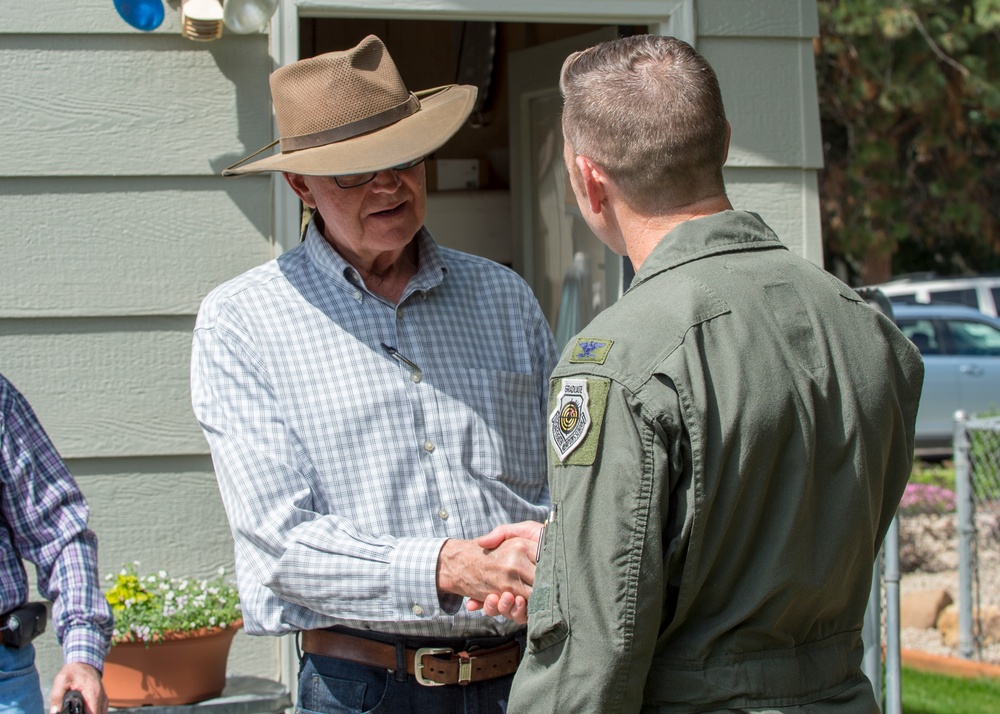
x,y
349,112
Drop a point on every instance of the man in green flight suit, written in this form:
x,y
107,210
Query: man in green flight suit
x,y
727,443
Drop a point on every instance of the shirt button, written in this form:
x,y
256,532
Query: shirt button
x,y
415,377
428,446
357,294
418,611
399,314
443,514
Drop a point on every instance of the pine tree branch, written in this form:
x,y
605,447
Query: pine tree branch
x,y
935,48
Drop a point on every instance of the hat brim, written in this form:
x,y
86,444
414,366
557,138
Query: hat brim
x,y
439,117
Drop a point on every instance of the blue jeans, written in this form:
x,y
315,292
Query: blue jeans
x,y
20,689
334,686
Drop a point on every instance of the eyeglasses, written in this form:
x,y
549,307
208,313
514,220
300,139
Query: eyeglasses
x,y
355,180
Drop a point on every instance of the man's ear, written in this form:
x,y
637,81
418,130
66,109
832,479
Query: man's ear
x,y
594,182
298,184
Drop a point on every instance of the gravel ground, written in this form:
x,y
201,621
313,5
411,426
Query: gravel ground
x,y
929,561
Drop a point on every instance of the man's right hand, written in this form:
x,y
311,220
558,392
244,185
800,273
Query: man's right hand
x,y
531,530
84,679
495,571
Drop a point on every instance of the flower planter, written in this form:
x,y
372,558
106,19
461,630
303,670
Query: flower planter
x,y
183,668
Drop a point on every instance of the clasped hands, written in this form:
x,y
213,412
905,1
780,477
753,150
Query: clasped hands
x,y
495,571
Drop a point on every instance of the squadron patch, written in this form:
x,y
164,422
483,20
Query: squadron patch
x,y
570,420
592,350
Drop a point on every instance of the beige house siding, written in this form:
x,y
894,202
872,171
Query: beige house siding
x,y
762,52
116,224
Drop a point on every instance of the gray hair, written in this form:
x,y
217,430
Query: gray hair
x,y
648,110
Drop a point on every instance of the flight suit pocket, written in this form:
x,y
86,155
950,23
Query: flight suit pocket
x,y
547,623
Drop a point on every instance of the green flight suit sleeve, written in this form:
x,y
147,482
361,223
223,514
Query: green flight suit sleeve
x,y
595,610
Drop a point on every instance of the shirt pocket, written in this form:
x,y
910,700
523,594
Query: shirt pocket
x,y
506,437
547,621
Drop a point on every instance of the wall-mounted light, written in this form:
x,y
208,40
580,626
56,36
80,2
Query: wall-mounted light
x,y
201,19
145,15
246,16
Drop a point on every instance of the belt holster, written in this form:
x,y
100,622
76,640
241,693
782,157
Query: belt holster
x,y
24,624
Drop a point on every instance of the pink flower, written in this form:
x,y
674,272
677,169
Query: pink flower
x,y
926,498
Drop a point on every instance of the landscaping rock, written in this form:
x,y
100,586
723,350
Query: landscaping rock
x,y
985,621
927,542
921,608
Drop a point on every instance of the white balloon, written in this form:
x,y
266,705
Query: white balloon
x,y
246,16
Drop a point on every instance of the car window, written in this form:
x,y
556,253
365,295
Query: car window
x,y
906,298
922,334
996,296
972,338
965,297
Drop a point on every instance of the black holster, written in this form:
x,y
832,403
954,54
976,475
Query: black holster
x,y
24,624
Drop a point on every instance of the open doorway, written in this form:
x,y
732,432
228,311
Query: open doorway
x,y
516,210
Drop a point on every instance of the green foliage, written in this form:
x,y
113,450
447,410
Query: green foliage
x,y
933,474
910,111
925,693
149,608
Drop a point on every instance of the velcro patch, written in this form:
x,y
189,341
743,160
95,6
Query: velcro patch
x,y
539,600
590,349
576,418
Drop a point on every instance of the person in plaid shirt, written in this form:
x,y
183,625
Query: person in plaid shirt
x,y
43,519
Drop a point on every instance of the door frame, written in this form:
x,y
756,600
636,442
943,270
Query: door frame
x,y
663,17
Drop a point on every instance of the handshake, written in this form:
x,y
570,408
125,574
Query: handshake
x,y
495,571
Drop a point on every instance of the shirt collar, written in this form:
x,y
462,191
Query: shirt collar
x,y
723,232
431,265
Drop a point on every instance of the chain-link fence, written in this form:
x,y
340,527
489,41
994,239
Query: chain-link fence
x,y
977,502
944,548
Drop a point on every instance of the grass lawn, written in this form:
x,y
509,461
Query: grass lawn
x,y
925,693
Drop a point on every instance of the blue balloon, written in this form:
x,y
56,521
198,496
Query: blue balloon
x,y
143,15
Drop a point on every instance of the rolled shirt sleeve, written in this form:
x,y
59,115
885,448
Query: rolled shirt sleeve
x,y
47,516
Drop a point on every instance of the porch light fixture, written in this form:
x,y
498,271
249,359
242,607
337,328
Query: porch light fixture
x,y
246,16
201,20
145,15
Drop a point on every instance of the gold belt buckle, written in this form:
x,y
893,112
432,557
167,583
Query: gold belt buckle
x,y
418,664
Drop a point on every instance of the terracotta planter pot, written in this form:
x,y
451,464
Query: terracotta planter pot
x,y
184,668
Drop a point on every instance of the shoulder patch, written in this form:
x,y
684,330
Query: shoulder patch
x,y
590,349
576,419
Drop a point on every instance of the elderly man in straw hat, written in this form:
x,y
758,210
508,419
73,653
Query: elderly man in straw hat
x,y
373,402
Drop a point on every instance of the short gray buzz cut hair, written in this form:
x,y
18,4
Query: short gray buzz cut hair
x,y
648,110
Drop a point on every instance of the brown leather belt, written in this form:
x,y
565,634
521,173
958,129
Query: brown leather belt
x,y
432,666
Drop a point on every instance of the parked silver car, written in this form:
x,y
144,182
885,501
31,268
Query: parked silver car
x,y
961,351
979,292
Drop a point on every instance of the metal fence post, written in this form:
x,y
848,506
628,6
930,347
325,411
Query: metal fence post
x,y
966,531
893,657
871,632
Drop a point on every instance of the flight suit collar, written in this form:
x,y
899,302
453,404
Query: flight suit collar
x,y
723,232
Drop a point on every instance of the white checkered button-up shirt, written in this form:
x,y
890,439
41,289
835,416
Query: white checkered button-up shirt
x,y
343,467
